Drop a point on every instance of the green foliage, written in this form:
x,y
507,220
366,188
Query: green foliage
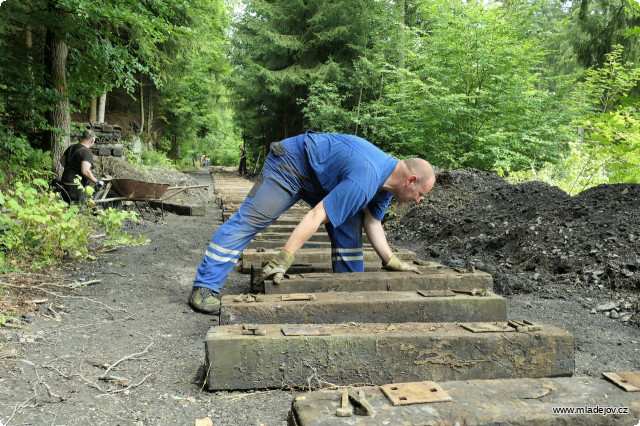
x,y
324,108
111,220
20,160
177,46
470,93
224,154
191,100
596,27
286,52
152,158
607,150
6,316
38,228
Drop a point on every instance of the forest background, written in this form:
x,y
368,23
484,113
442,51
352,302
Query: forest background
x,y
528,89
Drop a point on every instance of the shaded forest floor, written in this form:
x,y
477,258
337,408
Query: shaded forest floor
x,y
570,262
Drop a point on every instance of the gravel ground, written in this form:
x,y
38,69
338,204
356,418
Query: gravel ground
x,y
125,315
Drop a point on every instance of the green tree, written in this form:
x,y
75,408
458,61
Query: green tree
x,y
609,150
471,93
191,103
87,49
289,54
599,25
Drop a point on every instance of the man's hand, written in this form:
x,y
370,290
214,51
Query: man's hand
x,y
395,264
276,267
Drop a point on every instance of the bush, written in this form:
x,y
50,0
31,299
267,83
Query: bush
x,y
38,228
152,158
21,162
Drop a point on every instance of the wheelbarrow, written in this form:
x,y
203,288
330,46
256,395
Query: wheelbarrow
x,y
137,190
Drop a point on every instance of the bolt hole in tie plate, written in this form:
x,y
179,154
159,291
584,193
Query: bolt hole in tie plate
x,y
629,380
415,393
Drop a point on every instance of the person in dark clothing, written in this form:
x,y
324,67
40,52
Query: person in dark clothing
x,y
77,161
243,161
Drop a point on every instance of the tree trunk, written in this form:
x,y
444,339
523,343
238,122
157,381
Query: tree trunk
x,y
358,111
402,31
29,45
175,148
102,104
141,106
29,42
59,118
150,109
93,110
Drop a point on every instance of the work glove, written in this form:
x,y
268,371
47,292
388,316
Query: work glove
x,y
276,268
395,264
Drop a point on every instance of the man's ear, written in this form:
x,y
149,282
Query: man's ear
x,y
412,179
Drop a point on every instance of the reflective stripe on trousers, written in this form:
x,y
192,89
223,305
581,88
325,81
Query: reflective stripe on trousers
x,y
255,214
346,245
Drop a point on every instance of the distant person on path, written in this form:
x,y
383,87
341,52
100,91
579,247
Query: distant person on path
x,y
348,181
207,160
242,169
77,160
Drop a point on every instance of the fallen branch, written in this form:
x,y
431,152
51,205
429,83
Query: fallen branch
x,y
86,283
127,388
103,377
17,408
41,382
62,296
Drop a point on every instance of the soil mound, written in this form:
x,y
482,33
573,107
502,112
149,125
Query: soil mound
x,y
529,234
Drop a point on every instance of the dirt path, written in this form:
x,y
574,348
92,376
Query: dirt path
x,y
51,369
137,314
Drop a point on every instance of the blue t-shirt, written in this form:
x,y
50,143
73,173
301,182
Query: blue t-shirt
x,y
351,171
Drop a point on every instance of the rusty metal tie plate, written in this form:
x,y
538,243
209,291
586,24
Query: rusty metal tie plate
x,y
306,331
487,327
298,296
628,380
436,293
415,393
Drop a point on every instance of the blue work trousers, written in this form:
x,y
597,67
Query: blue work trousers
x,y
286,178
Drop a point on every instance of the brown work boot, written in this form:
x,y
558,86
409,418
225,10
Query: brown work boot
x,y
205,300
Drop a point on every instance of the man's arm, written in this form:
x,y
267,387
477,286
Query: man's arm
x,y
306,228
85,169
277,267
377,237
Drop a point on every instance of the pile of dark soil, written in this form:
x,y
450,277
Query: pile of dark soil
x,y
530,235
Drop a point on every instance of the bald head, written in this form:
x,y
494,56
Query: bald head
x,y
420,168
412,179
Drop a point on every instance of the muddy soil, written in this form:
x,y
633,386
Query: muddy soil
x,y
570,262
